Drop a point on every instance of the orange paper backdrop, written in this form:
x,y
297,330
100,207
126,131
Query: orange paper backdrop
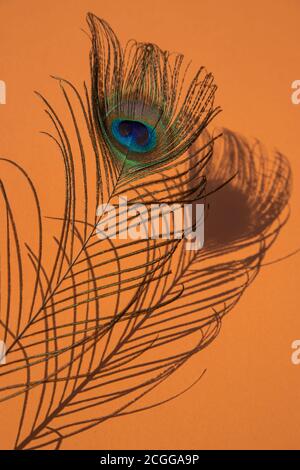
x,y
249,396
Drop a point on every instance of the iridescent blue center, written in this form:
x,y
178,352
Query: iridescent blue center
x,y
136,136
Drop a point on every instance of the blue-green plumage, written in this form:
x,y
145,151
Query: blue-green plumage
x,y
136,136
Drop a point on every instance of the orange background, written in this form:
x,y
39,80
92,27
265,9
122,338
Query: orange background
x,y
249,397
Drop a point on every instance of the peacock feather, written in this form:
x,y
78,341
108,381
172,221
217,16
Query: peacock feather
x,y
92,326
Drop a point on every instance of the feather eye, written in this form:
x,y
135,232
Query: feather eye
x,y
146,109
135,135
